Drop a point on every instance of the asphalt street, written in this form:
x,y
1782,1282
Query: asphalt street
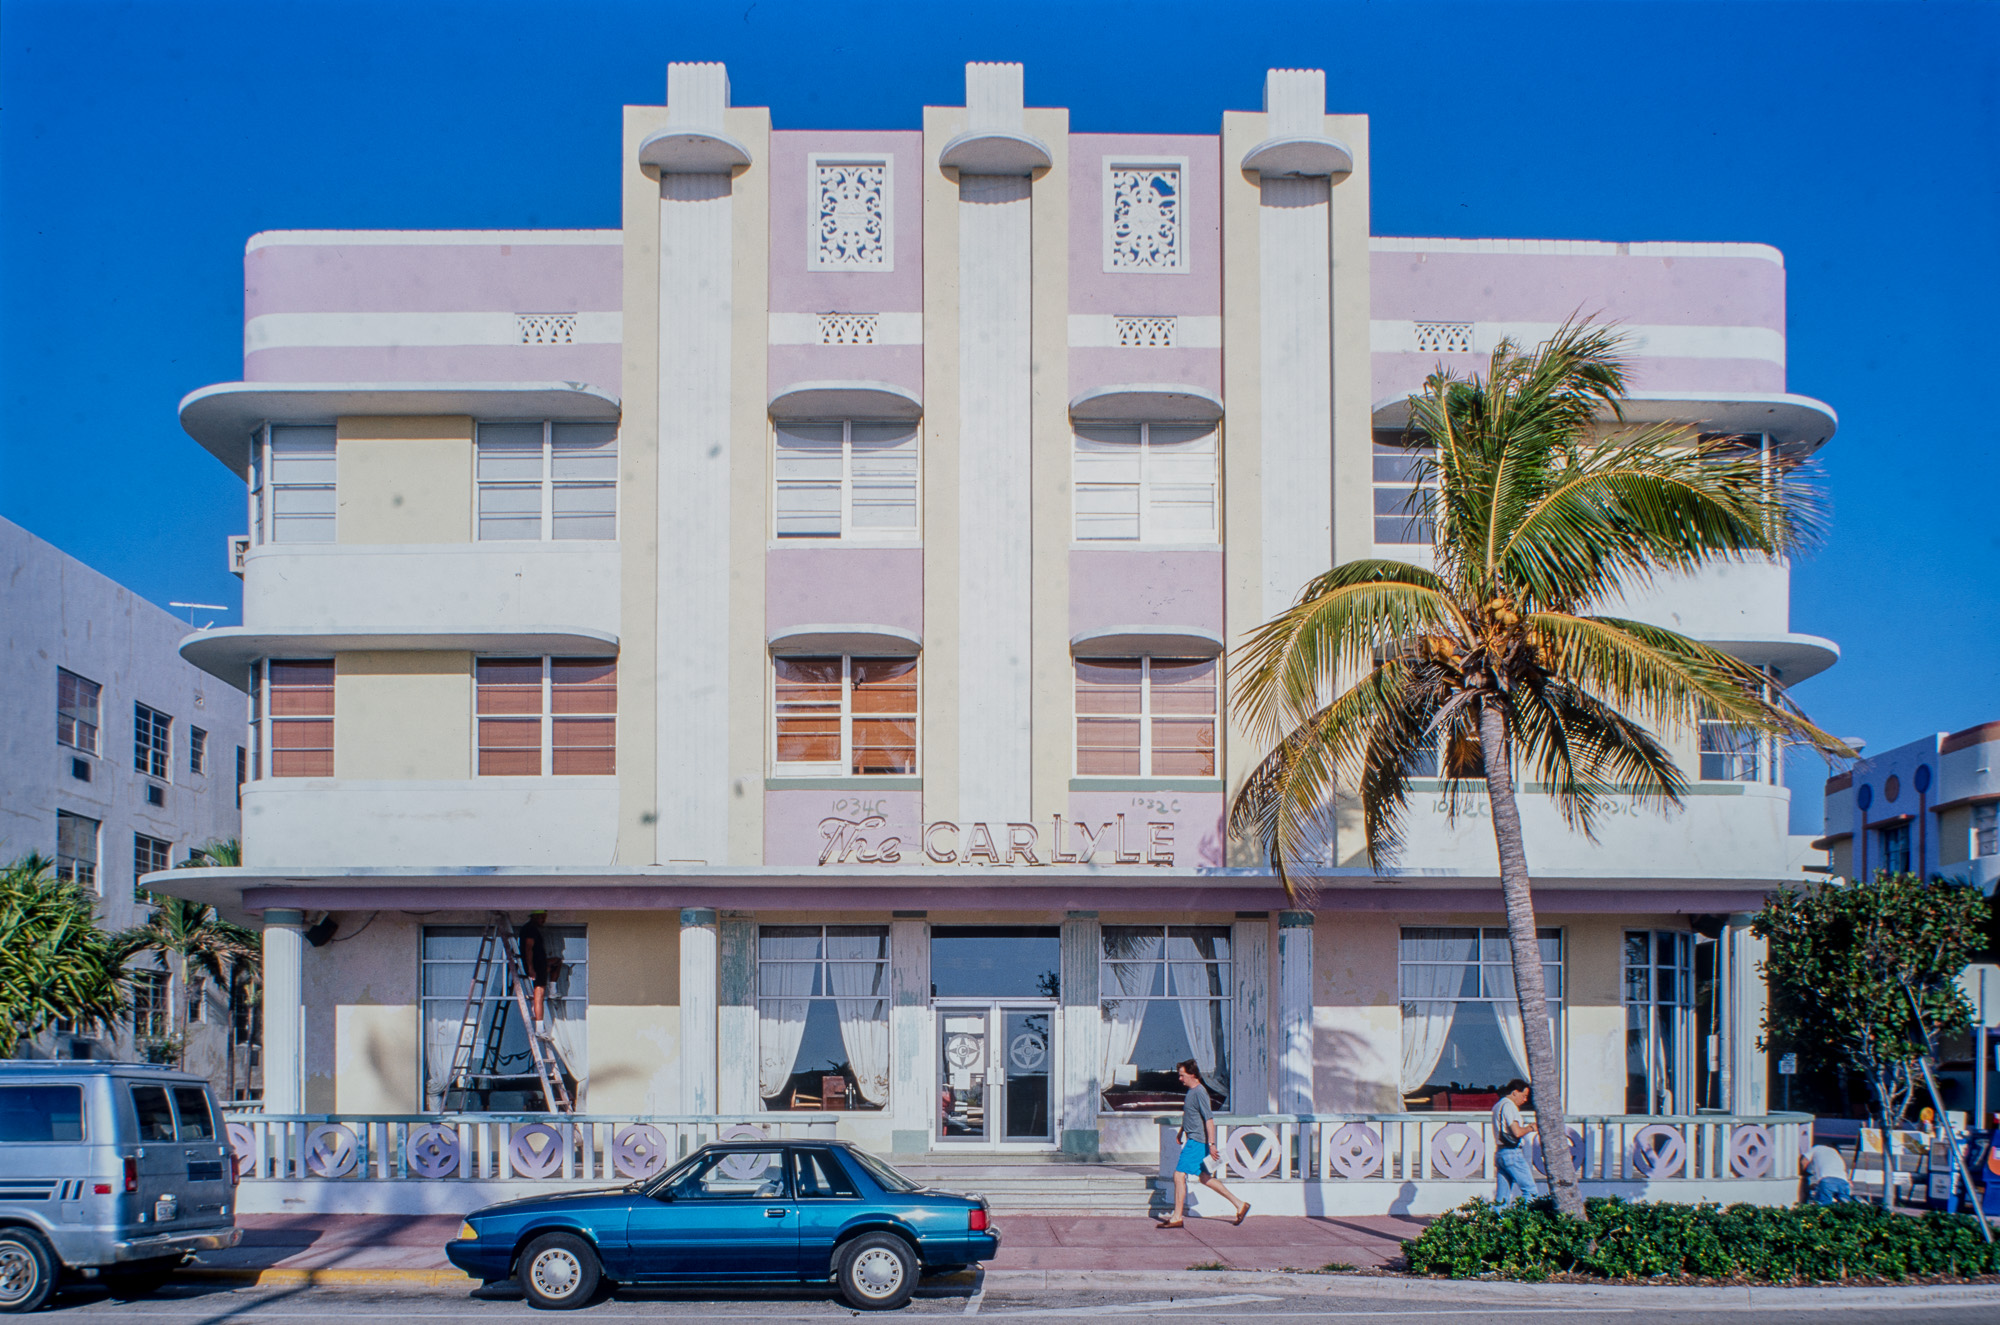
x,y
194,1304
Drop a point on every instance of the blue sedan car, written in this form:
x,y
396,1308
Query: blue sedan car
x,y
734,1213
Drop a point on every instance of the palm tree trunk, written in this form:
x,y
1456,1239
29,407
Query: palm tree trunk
x,y
1544,1072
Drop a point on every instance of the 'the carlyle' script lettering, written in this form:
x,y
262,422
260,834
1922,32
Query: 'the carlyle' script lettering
x,y
863,841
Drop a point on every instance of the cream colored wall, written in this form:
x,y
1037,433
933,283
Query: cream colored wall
x,y
1594,1030
1842,858
1242,440
1353,408
749,482
940,461
1954,829
404,480
1052,683
365,994
634,1018
402,716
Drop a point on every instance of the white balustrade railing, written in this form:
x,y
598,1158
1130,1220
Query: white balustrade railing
x,y
1434,1147
487,1146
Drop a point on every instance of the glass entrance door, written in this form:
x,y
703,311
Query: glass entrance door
x,y
996,1081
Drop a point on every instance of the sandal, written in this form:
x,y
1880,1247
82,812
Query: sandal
x,y
1171,1223
1242,1214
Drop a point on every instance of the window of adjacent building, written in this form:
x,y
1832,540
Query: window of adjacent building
x,y
242,773
300,717
823,1016
1145,717
849,480
548,481
1145,483
840,715
1165,994
152,741
76,711
1896,849
197,1001
852,214
505,1075
1986,830
1659,1021
1463,1037
1145,217
151,1014
197,750
1400,516
76,848
547,716
292,466
148,854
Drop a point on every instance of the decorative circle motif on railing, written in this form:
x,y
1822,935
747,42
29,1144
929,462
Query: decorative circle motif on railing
x,y
331,1151
1028,1051
531,1161
1460,1161
1659,1151
1750,1150
1247,1163
743,1167
638,1151
1535,1156
432,1150
243,1145
1354,1151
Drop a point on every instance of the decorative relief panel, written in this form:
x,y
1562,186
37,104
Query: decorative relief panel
x,y
850,211
1444,337
849,328
1149,333
546,328
1144,219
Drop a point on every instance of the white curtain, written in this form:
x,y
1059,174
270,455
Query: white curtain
x,y
1433,977
1507,1011
784,987
442,1018
1139,956
1188,971
860,983
1426,1027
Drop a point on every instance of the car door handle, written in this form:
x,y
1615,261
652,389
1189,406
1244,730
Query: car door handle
x,y
776,1212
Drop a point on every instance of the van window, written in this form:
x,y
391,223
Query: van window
x,y
197,1122
156,1117
41,1113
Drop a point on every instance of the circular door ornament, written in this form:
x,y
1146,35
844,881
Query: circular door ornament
x,y
243,1145
331,1151
1750,1151
1457,1152
1658,1151
746,1165
1354,1151
530,1159
432,1150
1029,1050
1245,1162
639,1151
1575,1151
962,1050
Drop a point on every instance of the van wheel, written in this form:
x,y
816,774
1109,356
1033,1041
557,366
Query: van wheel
x,y
140,1278
559,1271
878,1271
27,1270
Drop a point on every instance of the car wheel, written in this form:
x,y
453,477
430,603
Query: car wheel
x,y
27,1270
559,1271
878,1271
139,1278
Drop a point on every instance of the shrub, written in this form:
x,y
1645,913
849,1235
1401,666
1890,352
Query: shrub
x,y
1623,1240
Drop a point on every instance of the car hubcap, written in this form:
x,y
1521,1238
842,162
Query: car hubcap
x,y
556,1273
878,1273
17,1272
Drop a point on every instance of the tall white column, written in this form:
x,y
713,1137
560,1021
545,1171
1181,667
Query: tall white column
x,y
1749,1078
284,1011
1250,1035
1295,1012
913,1091
698,1007
1082,950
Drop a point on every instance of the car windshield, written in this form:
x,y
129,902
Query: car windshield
x,y
887,1178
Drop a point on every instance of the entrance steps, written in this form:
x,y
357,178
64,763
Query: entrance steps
x,y
1023,1184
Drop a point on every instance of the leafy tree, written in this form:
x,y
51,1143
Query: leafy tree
x,y
1493,657
246,971
193,937
56,963
1846,958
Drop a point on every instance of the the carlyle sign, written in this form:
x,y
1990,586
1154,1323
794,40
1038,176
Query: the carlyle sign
x,y
865,841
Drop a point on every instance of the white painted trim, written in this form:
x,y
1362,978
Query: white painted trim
x,y
1576,248
1154,641
1183,242
1099,331
1647,341
1147,402
416,238
858,400
814,160
860,638
890,328
273,331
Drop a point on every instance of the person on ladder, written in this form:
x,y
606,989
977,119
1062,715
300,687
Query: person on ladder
x,y
541,964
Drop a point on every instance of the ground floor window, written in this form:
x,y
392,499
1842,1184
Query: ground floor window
x,y
823,1016
1659,1021
1165,998
503,1072
1463,1037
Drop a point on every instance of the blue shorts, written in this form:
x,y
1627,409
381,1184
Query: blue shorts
x,y
1192,1154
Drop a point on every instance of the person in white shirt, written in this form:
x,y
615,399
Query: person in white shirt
x,y
1514,1177
1826,1176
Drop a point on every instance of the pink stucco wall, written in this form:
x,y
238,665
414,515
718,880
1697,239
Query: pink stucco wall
x,y
598,365
796,822
1196,816
1136,587
1198,291
845,585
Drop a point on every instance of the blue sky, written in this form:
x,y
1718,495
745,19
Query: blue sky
x,y
142,143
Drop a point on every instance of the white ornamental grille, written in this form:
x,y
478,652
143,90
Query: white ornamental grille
x,y
849,328
546,328
1145,218
1444,337
850,225
1149,333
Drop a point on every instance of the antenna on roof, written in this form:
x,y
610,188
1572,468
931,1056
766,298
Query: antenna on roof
x,y
206,607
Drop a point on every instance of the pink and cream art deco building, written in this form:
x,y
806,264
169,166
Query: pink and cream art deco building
x,y
813,593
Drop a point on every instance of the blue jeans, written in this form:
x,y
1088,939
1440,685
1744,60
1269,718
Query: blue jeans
x,y
1831,1191
1514,1179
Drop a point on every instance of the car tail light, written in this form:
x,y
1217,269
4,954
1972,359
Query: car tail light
x,y
131,1175
976,1221
235,1169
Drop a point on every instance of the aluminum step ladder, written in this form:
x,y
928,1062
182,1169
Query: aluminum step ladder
x,y
500,946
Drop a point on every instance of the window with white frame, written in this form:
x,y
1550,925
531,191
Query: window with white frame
x,y
1145,217
1734,754
503,1074
1165,994
850,202
1659,1021
547,481
841,715
295,464
850,480
823,1016
1401,516
1463,1036
291,717
1146,717
149,854
1146,482
151,1016
547,716
76,711
76,848
152,741
197,750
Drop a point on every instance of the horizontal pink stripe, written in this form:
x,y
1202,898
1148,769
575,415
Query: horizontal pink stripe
x,y
1548,287
597,365
428,278
1090,368
898,365
1400,374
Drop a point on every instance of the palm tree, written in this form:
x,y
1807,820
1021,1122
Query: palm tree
x,y
192,936
1538,512
246,970
56,964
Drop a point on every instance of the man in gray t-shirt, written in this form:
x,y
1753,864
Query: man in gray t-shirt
x,y
1197,1144
1513,1176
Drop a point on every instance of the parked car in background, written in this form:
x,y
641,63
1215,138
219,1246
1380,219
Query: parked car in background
x,y
735,1213
113,1172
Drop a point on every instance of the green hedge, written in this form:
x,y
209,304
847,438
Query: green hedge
x,y
1624,1240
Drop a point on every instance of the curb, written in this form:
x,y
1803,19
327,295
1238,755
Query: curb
x,y
279,1276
